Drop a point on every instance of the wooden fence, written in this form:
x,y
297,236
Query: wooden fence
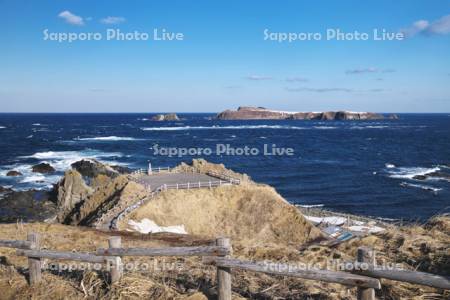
x,y
366,281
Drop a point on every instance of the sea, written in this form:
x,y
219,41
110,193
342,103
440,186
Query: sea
x,y
359,167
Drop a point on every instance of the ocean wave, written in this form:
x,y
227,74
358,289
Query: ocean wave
x,y
370,127
108,138
410,172
310,205
325,127
2,127
36,124
60,160
221,127
421,186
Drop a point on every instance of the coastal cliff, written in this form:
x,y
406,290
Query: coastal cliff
x,y
260,113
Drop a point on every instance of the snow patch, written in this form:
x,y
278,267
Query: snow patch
x,y
148,226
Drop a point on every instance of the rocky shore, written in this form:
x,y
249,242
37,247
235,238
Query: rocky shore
x,y
260,113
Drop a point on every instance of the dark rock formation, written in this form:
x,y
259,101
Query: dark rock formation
x,y
258,113
122,169
433,175
92,168
29,206
13,173
43,168
168,117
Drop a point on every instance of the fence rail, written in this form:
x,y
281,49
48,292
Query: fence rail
x,y
219,256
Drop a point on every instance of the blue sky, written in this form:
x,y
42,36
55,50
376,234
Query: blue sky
x,y
224,61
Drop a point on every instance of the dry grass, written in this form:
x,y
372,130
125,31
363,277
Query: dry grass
x,y
196,281
248,213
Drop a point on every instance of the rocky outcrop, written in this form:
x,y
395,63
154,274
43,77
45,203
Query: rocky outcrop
x,y
122,169
259,113
92,168
43,168
13,173
71,191
167,117
88,191
98,203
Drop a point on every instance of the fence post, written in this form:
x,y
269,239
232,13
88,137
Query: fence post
x,y
224,274
34,263
367,256
116,261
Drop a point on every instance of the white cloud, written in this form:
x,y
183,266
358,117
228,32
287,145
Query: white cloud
x,y
369,70
362,71
112,20
320,90
438,27
441,26
332,90
258,77
71,18
296,79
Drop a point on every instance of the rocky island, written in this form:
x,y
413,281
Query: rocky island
x,y
167,117
261,113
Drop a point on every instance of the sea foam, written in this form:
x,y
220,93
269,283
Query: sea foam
x,y
108,138
410,172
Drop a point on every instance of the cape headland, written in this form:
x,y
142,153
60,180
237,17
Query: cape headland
x,y
91,202
261,113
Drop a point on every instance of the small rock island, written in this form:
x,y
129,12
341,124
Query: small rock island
x,y
167,117
261,113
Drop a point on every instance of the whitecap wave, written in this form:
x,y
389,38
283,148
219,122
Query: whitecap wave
x,y
60,160
369,127
36,124
410,172
389,166
2,127
108,138
220,127
421,186
310,205
325,127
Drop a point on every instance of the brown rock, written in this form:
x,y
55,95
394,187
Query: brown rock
x,y
43,168
13,173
